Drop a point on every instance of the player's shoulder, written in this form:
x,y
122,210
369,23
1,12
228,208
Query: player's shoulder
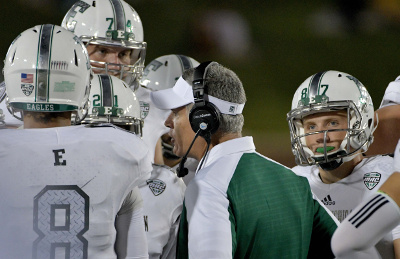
x,y
304,171
164,172
105,133
391,95
379,163
97,131
163,176
378,160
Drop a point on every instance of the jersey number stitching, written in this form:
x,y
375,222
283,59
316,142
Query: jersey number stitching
x,y
70,204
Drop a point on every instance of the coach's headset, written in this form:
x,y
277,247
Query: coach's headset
x,y
204,117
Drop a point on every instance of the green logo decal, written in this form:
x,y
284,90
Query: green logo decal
x,y
320,99
144,109
64,86
27,89
120,35
106,110
156,186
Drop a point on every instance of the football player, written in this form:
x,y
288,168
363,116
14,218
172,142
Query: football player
x,y
162,73
112,101
113,34
387,132
67,191
331,123
371,220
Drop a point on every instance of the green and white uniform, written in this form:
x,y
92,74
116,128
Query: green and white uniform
x,y
66,192
244,205
162,206
153,127
343,196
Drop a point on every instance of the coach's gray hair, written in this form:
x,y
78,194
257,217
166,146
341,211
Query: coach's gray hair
x,y
223,84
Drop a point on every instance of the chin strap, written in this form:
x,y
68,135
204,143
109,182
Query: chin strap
x,y
331,165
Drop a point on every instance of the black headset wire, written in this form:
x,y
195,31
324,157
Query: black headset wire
x,y
207,137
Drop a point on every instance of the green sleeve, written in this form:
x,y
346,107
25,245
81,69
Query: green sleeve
x,y
323,228
182,244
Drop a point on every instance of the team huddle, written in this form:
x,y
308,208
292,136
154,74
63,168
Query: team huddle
x,y
104,157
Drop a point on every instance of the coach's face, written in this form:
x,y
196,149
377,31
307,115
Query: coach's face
x,y
182,134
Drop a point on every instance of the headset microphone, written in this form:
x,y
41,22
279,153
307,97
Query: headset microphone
x,y
182,170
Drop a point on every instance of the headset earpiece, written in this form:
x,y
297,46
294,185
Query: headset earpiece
x,y
204,115
204,118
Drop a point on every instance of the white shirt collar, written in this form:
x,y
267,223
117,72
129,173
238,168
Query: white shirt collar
x,y
243,144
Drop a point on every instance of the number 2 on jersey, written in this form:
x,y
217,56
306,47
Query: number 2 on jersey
x,y
61,217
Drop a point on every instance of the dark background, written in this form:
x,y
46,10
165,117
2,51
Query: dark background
x,y
273,46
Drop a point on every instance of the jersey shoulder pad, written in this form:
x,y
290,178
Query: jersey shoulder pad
x,y
166,168
107,125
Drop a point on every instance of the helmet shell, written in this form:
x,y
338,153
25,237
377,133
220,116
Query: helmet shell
x,y
47,70
163,72
331,91
112,101
112,23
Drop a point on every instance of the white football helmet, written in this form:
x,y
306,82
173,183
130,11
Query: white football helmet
x,y
110,23
325,92
163,72
47,70
112,101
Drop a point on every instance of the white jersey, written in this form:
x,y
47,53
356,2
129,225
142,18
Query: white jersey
x,y
163,196
191,164
392,94
154,118
343,196
62,189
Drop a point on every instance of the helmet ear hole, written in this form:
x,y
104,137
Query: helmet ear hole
x,y
204,118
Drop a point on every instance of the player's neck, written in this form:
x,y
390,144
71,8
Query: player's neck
x,y
171,162
341,172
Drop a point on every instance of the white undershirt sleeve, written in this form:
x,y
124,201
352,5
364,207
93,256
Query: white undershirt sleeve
x,y
392,94
169,250
131,240
365,225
